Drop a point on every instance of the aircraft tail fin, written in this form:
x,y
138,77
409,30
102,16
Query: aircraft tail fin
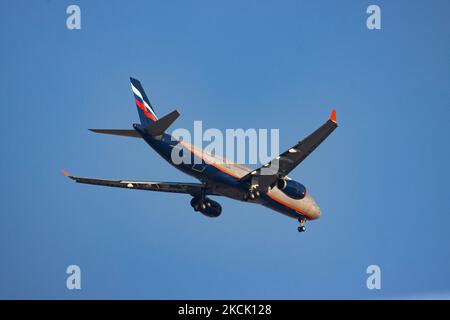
x,y
146,112
149,120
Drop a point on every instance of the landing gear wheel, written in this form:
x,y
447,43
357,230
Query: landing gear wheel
x,y
302,224
252,194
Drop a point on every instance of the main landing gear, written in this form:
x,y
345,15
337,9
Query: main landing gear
x,y
301,228
252,194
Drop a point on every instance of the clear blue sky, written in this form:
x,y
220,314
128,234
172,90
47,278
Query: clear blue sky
x,y
382,178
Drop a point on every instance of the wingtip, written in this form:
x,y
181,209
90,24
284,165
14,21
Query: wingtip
x,y
333,116
64,172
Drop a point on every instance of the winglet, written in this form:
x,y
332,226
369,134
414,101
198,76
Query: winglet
x,y
333,116
65,173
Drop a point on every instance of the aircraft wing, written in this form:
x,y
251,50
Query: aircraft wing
x,y
194,189
268,174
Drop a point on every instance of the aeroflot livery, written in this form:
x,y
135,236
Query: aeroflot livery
x,y
268,185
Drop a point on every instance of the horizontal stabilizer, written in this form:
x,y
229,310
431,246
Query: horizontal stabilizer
x,y
155,128
118,132
158,127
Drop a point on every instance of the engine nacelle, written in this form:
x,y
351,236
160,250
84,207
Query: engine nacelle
x,y
209,208
213,209
292,188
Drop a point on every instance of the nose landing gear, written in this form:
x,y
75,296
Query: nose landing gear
x,y
301,228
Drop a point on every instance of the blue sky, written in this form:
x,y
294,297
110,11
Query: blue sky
x,y
381,179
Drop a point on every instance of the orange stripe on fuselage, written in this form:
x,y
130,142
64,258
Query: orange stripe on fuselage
x,y
200,155
289,206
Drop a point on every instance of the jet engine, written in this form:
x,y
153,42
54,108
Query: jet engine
x,y
207,207
292,188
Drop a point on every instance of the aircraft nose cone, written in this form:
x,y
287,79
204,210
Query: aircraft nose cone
x,y
313,207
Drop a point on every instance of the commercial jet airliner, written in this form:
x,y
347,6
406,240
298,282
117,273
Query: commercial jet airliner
x,y
268,185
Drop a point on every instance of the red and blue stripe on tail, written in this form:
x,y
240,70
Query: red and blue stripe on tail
x,y
145,109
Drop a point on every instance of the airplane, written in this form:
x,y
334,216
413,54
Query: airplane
x,y
269,185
